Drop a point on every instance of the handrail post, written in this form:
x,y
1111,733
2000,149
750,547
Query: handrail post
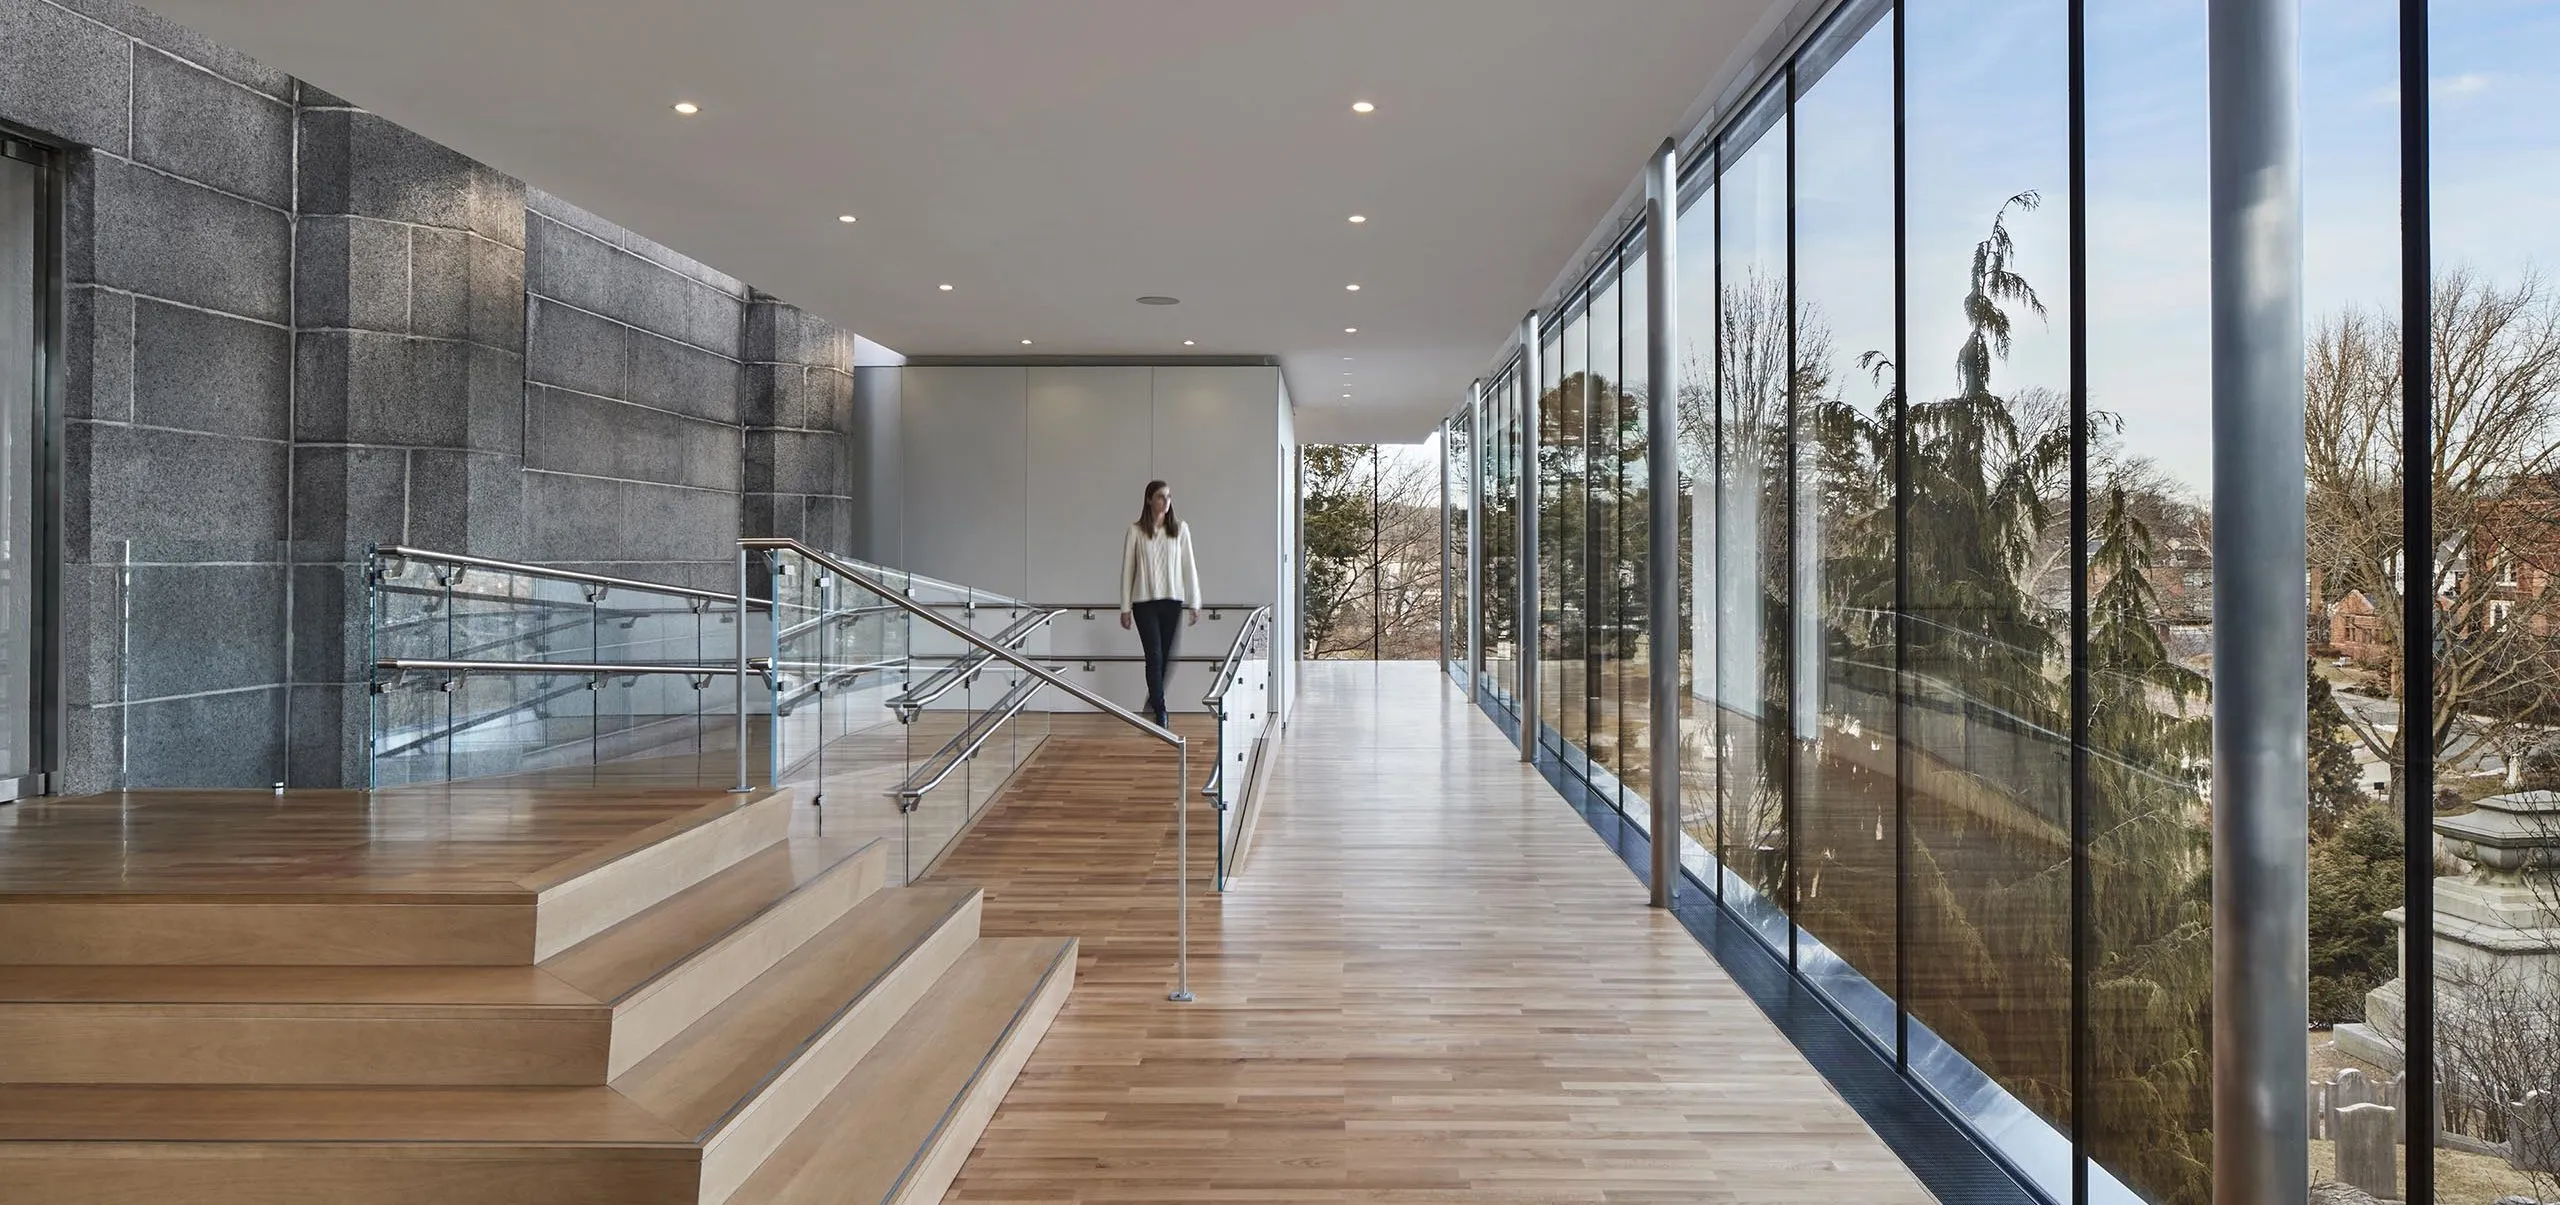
x,y
741,679
1181,872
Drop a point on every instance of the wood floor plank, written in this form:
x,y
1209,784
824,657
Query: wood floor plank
x,y
1432,984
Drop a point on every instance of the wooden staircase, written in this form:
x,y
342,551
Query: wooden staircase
x,y
705,1008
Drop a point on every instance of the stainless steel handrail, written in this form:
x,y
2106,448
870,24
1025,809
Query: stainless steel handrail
x,y
406,553
1089,610
845,616
960,748
599,668
1254,624
1181,748
923,694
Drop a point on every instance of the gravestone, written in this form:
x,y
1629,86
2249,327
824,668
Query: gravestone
x,y
2351,1088
2317,1101
2368,1152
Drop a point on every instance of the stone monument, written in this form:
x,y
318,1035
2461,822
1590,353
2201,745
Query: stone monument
x,y
2504,914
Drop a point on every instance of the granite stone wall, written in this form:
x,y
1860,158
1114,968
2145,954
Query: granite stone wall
x,y
294,329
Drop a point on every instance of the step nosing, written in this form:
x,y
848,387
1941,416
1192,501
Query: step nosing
x,y
777,1068
1012,1025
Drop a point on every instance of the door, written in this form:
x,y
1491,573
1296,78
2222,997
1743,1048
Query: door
x,y
26,290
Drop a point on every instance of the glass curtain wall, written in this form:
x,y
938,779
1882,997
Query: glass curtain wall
x,y
1945,545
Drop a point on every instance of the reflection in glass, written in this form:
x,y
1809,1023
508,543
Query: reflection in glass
x,y
1695,262
1602,635
1545,482
1634,646
1987,452
1754,391
1845,812
1571,531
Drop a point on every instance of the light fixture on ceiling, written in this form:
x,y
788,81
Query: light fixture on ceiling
x,y
1358,218
1351,330
946,288
1362,106
1346,395
845,218
688,108
1026,343
1188,343
1350,288
1159,299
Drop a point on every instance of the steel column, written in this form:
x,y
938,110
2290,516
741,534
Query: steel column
x,y
1475,540
1529,626
1662,498
2261,915
1445,576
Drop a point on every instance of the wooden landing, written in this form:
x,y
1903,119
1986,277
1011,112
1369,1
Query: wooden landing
x,y
489,994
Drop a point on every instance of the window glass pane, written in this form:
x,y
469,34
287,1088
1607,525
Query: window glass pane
x,y
1462,582
1635,547
1501,534
1572,549
1845,814
1546,481
2494,167
1602,632
1751,518
1696,627
2148,559
1986,753
2351,291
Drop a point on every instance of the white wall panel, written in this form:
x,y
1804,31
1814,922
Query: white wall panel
x,y
1092,431
1214,433
965,431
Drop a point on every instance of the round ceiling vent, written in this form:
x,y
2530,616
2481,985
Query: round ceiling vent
x,y
1155,299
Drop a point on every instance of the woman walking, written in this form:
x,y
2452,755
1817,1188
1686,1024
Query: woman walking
x,y
1159,581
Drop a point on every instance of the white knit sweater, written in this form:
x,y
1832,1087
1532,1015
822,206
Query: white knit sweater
x,y
1156,566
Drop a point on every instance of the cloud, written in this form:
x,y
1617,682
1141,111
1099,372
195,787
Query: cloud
x,y
2469,84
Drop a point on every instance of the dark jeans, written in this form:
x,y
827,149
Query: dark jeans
x,y
1159,632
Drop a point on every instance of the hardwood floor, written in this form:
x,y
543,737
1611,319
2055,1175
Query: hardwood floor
x,y
1431,983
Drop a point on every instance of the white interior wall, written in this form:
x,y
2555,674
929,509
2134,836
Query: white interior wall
x,y
1022,479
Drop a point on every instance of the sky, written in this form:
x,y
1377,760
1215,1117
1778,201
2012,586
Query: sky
x,y
1986,119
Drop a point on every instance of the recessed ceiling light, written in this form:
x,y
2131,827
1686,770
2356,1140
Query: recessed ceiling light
x,y
1362,106
1351,288
688,108
1159,299
1346,395
1346,359
1026,343
845,218
1187,343
1358,218
1351,330
946,288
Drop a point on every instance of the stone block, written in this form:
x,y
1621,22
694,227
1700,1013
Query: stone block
x,y
97,369
669,523
565,264
192,123
309,95
327,741
187,44
571,518
684,379
356,163
92,751
164,237
543,204
683,265
351,273
159,487
197,628
497,486
573,349
497,295
2533,1127
668,303
92,634
200,371
497,402
440,283
364,387
773,331
346,499
571,432
225,740
497,209
2368,1150
793,462
66,77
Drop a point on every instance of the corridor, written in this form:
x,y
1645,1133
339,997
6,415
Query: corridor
x,y
1429,982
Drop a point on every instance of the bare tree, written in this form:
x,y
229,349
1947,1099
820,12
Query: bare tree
x,y
2496,371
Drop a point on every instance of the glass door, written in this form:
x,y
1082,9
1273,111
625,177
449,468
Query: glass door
x,y
25,288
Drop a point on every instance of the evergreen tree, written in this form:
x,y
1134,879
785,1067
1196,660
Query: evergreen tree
x,y
2336,791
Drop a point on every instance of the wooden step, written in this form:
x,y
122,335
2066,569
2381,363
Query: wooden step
x,y
898,1128
585,1016
665,968
683,1128
430,876
745,1075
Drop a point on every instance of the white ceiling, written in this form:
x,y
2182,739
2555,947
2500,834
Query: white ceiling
x,y
1055,159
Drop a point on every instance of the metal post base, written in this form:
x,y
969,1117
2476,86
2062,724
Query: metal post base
x,y
1178,997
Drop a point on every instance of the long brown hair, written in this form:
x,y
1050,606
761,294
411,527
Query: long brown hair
x,y
1172,526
